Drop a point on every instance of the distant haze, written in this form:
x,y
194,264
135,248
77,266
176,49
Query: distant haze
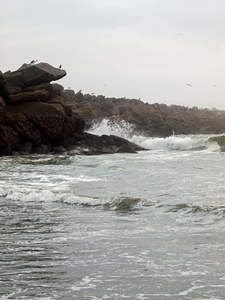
x,y
165,51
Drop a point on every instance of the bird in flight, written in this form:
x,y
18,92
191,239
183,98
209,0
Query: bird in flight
x,y
188,84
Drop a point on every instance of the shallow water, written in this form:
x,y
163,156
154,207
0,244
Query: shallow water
x,y
126,226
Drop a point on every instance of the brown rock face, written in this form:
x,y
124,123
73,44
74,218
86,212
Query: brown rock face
x,y
24,129
33,114
149,119
9,140
40,122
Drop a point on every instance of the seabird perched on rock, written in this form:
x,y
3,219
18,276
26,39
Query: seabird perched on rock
x,y
60,66
33,61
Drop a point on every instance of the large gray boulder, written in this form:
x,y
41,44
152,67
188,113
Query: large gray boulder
x,y
40,73
28,75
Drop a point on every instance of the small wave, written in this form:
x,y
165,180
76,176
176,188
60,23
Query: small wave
x,y
115,203
180,143
195,213
173,143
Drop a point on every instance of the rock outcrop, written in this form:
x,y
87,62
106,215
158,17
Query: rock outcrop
x,y
149,119
35,119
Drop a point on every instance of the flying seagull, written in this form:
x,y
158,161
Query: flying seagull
x,y
188,84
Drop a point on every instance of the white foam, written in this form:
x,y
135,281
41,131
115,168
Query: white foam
x,y
115,126
169,143
179,143
126,130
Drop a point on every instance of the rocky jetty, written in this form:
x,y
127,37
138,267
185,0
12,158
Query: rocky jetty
x,y
34,117
148,119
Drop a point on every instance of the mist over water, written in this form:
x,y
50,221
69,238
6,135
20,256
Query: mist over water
x,y
124,226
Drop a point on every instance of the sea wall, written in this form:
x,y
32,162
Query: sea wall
x,y
34,117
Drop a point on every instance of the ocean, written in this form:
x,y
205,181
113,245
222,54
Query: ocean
x,y
142,226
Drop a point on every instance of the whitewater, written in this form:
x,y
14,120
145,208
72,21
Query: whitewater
x,y
142,226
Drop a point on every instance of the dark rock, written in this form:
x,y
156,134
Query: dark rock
x,y
58,149
1,115
94,145
9,140
2,79
28,75
38,95
57,87
220,140
43,86
40,73
24,129
25,148
69,96
47,118
13,83
41,149
68,111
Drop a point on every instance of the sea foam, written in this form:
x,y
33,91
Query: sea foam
x,y
113,126
126,130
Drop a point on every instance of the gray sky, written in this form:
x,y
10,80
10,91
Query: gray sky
x,y
147,49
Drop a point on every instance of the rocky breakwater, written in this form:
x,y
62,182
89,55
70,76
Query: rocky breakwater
x,y
35,119
148,119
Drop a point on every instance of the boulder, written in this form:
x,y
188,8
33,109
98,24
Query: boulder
x,y
220,140
90,144
28,75
13,83
40,73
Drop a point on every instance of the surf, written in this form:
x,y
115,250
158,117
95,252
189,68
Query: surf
x,y
126,130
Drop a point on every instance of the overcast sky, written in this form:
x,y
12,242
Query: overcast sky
x,y
147,49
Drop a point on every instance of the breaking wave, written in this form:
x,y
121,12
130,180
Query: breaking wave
x,y
178,143
182,211
113,126
126,130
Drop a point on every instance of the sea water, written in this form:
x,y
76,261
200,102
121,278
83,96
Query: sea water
x,y
142,226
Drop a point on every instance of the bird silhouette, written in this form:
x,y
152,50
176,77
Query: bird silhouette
x,y
33,61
